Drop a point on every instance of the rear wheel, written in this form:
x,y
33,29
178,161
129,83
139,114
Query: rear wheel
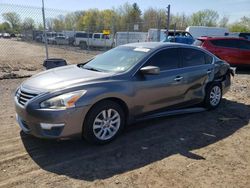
x,y
213,96
104,122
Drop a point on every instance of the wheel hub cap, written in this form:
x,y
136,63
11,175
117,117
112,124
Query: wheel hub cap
x,y
215,96
106,124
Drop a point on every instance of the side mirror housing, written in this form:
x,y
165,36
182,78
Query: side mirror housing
x,y
150,70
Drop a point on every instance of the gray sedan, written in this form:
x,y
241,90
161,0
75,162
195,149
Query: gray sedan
x,y
128,83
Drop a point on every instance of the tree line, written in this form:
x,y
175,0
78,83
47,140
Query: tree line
x,y
123,18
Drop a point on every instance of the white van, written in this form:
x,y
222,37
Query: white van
x,y
130,37
199,31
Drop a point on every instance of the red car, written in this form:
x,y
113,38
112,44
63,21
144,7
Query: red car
x,y
236,51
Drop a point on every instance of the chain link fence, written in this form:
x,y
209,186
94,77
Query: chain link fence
x,y
73,36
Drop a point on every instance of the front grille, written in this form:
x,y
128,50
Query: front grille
x,y
23,96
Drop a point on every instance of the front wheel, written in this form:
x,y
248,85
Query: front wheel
x,y
104,122
213,96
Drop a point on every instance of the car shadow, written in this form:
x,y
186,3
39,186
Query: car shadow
x,y
243,70
141,143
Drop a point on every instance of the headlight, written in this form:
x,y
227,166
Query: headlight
x,y
64,101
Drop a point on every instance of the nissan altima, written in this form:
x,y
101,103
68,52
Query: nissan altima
x,y
131,82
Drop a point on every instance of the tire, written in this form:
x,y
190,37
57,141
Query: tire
x,y
83,45
213,95
100,130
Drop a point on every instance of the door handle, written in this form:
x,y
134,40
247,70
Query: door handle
x,y
178,78
209,71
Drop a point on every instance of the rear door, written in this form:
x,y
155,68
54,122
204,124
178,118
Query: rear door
x,y
244,47
197,70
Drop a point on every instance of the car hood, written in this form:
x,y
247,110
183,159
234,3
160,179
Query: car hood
x,y
63,77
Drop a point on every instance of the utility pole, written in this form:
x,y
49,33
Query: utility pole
x,y
44,31
168,20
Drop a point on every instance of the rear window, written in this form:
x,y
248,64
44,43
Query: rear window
x,y
226,43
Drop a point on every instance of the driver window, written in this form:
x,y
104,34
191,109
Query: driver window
x,y
166,59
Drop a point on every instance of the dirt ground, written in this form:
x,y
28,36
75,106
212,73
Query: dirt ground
x,y
207,149
26,58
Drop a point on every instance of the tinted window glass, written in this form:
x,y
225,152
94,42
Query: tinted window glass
x,y
245,45
105,36
97,36
165,59
208,58
83,35
192,57
245,35
226,43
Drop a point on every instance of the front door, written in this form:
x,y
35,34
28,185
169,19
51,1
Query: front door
x,y
153,92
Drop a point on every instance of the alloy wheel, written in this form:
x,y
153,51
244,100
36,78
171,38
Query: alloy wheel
x,y
106,124
215,95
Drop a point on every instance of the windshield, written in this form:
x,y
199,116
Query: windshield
x,y
117,60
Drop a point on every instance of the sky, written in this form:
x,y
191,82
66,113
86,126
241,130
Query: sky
x,y
234,9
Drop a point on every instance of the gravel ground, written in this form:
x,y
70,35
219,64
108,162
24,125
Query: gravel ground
x,y
21,59
207,149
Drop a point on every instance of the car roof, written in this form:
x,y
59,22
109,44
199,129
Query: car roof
x,y
220,38
154,45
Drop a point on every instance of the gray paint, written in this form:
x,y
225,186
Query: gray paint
x,y
142,94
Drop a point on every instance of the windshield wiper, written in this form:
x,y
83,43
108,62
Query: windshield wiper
x,y
91,68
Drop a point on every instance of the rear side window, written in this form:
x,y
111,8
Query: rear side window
x,y
166,59
244,45
97,36
208,58
226,43
245,35
83,35
192,57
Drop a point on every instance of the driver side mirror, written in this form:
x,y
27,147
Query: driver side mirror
x,y
150,70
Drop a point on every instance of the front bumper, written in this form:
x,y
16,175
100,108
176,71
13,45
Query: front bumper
x,y
47,123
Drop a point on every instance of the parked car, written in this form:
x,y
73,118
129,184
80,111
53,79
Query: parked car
x,y
1,35
178,36
235,51
50,37
12,35
201,31
39,38
85,40
126,84
6,35
61,40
